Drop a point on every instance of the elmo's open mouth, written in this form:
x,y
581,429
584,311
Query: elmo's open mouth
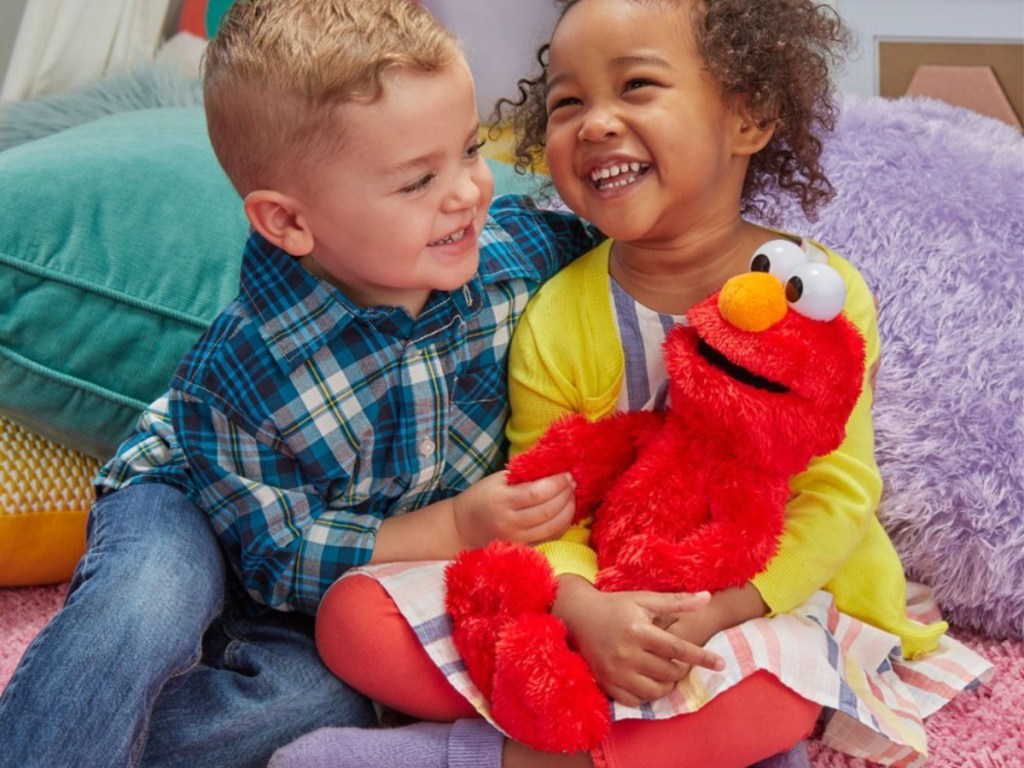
x,y
738,372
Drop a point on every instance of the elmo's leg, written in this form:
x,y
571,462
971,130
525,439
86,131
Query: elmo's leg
x,y
545,695
541,693
484,589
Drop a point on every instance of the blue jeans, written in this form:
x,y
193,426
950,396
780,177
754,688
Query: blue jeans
x,y
154,661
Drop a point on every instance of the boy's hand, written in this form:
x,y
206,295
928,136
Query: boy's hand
x,y
633,658
529,512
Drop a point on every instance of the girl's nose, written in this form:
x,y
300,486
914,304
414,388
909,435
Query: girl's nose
x,y
598,125
753,301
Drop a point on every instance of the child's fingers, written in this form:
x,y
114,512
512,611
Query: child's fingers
x,y
543,508
671,603
536,492
646,678
673,649
547,520
661,669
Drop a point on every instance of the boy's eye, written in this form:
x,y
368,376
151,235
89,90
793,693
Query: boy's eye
x,y
421,183
474,149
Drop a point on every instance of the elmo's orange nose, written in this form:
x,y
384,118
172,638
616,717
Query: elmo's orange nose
x,y
753,301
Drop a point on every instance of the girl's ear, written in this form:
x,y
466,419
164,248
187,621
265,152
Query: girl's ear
x,y
752,133
277,217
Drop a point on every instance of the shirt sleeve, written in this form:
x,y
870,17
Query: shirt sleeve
x,y
549,238
286,541
835,498
149,454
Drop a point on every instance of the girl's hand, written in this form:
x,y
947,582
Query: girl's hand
x,y
528,512
724,610
633,659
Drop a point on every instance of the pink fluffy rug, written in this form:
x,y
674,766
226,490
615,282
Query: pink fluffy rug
x,y
980,729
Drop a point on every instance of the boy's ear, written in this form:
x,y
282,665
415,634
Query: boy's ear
x,y
752,133
277,217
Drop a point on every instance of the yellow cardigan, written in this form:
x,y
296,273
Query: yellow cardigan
x,y
566,357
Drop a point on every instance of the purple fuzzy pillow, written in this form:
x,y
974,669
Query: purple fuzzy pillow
x,y
930,208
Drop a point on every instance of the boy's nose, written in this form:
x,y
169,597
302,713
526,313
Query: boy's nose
x,y
468,189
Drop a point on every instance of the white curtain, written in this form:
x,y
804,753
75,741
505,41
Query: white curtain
x,y
64,43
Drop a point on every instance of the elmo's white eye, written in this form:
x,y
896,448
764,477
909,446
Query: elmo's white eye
x,y
778,258
816,291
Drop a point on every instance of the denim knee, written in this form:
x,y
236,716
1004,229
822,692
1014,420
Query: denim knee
x,y
152,559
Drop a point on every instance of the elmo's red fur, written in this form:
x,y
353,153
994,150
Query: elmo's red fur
x,y
689,499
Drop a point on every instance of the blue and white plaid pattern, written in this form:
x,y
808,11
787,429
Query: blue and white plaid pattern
x,y
300,421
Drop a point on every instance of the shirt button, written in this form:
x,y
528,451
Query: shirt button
x,y
427,447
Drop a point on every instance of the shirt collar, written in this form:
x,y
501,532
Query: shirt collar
x,y
298,313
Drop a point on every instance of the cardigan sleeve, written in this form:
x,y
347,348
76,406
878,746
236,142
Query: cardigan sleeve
x,y
835,498
546,381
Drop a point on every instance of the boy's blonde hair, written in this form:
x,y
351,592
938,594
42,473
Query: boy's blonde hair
x,y
277,69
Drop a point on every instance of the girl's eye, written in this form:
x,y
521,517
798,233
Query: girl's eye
x,y
420,183
566,101
637,82
474,149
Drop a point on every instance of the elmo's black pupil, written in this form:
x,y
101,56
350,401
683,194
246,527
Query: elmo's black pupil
x,y
794,289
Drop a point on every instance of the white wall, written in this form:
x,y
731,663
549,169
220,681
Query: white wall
x,y
502,36
501,40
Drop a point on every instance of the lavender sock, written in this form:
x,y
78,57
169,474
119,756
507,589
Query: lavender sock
x,y
463,744
796,758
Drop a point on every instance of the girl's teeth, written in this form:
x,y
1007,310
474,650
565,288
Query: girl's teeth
x,y
599,175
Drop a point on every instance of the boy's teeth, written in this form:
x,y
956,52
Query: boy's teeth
x,y
453,238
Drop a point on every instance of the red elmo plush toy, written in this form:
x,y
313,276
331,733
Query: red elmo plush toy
x,y
761,379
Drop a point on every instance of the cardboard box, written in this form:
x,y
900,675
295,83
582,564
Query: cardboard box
x,y
985,77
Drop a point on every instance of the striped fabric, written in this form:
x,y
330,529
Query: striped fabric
x,y
874,700
642,333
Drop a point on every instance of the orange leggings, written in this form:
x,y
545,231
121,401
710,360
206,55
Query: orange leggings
x,y
364,640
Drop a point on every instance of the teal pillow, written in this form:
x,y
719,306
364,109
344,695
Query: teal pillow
x,y
120,240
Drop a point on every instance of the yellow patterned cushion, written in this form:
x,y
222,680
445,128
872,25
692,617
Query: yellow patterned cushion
x,y
45,493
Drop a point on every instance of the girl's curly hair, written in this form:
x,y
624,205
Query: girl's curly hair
x,y
779,55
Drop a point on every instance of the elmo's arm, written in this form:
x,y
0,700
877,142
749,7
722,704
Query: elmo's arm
x,y
727,551
595,452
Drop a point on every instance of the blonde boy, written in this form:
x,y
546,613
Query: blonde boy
x,y
347,407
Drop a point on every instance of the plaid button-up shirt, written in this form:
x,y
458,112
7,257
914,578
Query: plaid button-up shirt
x,y
300,421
